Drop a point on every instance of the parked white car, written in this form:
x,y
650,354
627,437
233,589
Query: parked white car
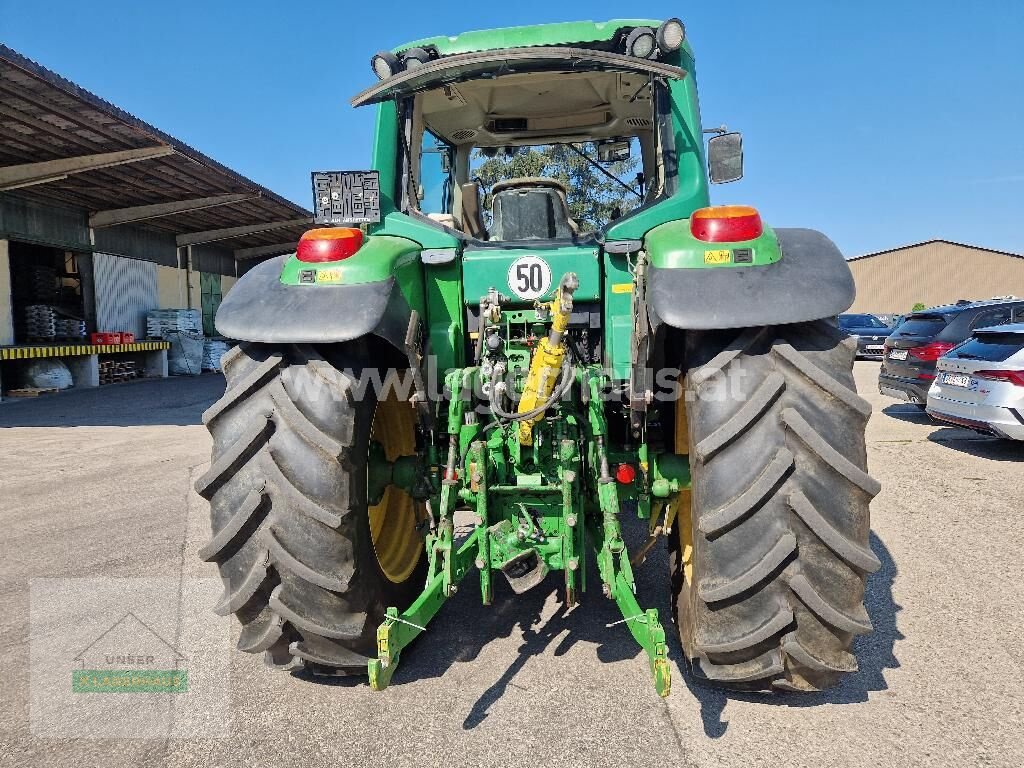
x,y
979,384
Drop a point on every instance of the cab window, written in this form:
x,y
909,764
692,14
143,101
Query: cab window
x,y
435,182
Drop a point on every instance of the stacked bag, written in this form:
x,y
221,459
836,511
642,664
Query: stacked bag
x,y
183,328
160,322
213,351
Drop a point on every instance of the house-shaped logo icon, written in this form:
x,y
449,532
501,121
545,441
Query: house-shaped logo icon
x,y
129,657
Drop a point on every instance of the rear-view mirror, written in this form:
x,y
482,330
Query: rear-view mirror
x,y
613,151
725,158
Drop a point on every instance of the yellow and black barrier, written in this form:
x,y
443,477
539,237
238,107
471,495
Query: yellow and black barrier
x,y
29,351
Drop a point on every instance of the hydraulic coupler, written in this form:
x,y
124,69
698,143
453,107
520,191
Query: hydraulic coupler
x,y
548,358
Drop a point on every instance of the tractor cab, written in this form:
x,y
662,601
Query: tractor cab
x,y
550,143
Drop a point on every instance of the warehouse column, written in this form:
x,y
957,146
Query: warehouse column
x,y
6,316
85,370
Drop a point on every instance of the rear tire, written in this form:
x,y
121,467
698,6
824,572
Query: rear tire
x,y
291,531
769,564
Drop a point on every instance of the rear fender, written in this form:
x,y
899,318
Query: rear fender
x,y
284,301
805,277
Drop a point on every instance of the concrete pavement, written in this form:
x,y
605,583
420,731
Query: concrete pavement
x,y
97,484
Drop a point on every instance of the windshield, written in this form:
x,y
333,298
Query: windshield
x,y
922,325
860,321
992,347
594,193
545,156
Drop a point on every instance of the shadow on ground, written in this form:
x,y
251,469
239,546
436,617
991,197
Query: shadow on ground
x,y
975,444
175,401
908,413
464,627
875,653
958,438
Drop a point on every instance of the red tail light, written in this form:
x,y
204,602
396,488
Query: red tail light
x,y
929,353
625,474
328,244
726,224
1013,377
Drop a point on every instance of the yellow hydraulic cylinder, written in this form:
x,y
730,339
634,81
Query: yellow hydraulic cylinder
x,y
546,363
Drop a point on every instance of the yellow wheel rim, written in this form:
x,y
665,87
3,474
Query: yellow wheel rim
x,y
393,521
684,522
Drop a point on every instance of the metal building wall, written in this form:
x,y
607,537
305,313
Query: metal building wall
x,y
213,258
139,243
43,223
126,289
933,274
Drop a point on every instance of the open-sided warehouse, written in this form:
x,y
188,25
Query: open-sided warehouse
x,y
933,273
104,218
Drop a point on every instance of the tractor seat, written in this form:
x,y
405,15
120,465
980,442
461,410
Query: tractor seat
x,y
530,208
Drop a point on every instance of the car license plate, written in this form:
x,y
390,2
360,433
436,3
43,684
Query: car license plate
x,y
898,354
956,379
874,348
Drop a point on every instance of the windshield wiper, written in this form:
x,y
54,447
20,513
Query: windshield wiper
x,y
607,173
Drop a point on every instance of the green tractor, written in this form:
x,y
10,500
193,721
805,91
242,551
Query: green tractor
x,y
521,324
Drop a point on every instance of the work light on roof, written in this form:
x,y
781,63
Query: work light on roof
x,y
385,64
671,35
415,58
641,43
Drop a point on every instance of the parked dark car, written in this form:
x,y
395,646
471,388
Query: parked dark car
x,y
869,331
908,362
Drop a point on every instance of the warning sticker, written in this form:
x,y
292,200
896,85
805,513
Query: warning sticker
x,y
717,257
328,276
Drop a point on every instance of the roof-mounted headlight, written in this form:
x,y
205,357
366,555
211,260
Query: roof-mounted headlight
x,y
642,43
671,35
385,64
414,58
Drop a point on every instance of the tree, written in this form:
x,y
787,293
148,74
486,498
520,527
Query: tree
x,y
918,307
592,196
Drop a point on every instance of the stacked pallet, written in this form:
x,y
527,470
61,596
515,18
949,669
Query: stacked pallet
x,y
162,322
70,329
30,391
113,371
40,322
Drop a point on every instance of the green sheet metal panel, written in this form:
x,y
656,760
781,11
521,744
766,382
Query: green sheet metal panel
x,y
210,292
504,268
618,315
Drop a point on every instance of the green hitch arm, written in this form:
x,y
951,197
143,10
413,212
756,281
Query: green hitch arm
x,y
647,630
400,629
483,538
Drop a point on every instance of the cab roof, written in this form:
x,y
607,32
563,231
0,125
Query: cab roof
x,y
570,33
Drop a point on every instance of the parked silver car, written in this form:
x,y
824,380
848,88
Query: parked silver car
x,y
979,384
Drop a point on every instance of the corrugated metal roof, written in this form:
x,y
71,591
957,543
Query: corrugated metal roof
x,y
44,116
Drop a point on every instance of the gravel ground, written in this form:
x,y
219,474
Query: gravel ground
x,y
96,484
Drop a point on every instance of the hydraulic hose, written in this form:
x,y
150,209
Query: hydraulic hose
x,y
567,378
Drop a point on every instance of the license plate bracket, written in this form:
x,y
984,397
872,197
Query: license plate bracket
x,y
961,380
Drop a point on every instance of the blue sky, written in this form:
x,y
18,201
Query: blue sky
x,y
880,123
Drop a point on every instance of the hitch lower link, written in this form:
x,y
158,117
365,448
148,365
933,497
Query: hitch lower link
x,y
449,562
